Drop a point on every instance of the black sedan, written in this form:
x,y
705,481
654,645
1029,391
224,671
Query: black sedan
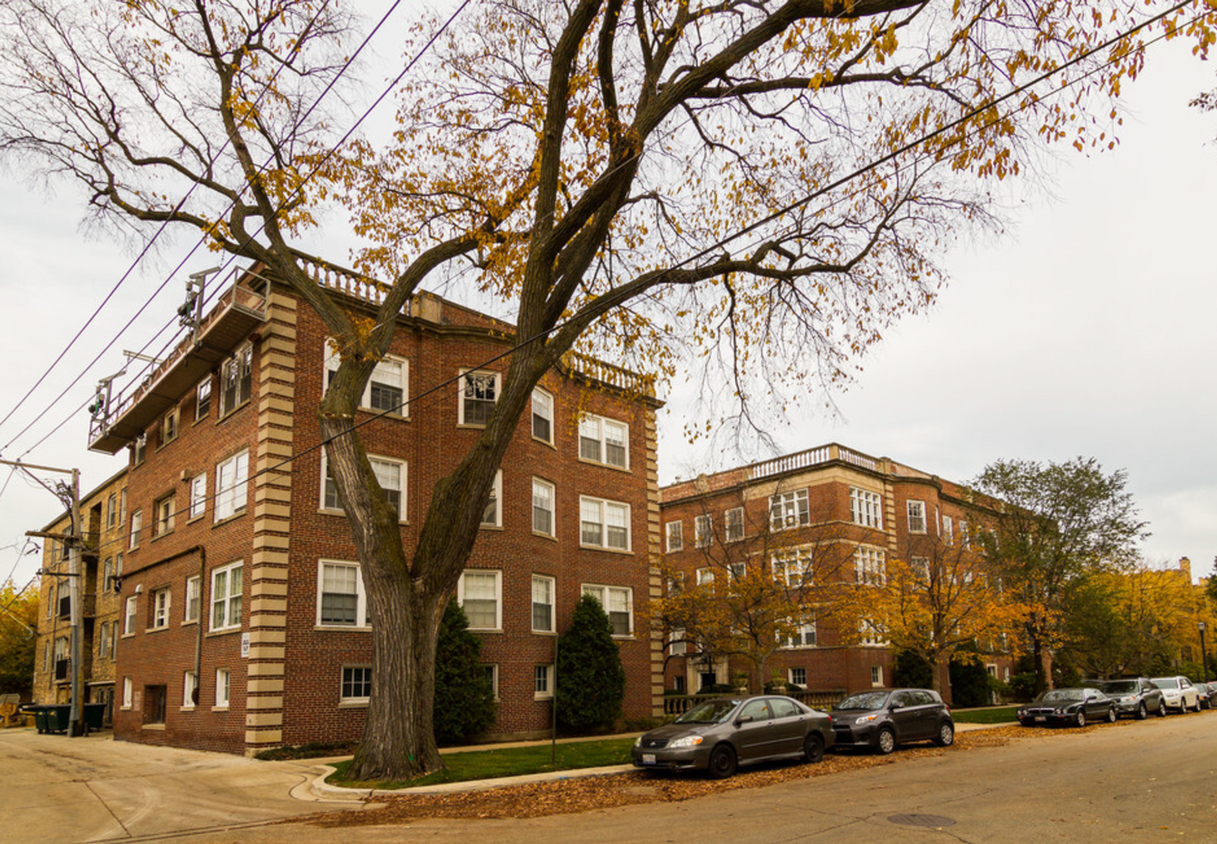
x,y
719,734
1068,706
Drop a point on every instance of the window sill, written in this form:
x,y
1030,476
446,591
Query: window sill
x,y
343,628
160,629
548,536
485,629
190,622
550,633
384,414
159,727
326,511
219,708
549,443
228,414
490,527
197,518
228,519
626,551
361,703
124,708
199,419
470,426
186,709
127,636
612,466
163,534
223,631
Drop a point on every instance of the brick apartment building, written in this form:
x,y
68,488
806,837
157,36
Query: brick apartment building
x,y
831,514
103,516
241,616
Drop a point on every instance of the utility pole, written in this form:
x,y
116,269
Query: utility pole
x,y
74,539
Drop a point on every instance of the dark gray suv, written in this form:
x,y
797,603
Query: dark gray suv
x,y
1135,696
883,718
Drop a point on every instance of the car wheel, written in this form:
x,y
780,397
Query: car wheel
x,y
1197,704
1142,712
1079,720
946,735
1112,715
722,762
813,747
886,742
1162,709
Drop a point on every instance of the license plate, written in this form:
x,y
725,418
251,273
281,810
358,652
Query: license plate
x,y
1039,719
648,758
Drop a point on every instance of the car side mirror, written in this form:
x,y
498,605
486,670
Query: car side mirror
x,y
895,707
744,719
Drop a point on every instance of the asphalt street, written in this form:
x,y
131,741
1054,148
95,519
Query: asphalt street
x,y
1147,781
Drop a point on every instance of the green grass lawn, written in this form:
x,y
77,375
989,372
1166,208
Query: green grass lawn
x,y
999,715
509,762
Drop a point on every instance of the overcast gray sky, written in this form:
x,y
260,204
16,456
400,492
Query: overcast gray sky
x,y
1086,329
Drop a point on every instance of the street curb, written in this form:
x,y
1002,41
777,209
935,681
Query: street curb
x,y
320,785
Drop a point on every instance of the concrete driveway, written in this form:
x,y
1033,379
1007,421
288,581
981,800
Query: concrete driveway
x,y
56,790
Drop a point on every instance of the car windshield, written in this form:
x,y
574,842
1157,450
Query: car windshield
x,y
1061,694
710,712
1166,682
866,700
1120,687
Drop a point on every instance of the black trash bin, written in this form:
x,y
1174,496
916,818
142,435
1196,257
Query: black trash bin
x,y
94,716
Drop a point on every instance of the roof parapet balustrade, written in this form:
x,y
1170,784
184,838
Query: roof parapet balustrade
x,y
810,457
238,311
609,374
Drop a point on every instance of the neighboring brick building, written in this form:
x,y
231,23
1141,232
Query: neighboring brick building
x,y
243,616
103,516
832,515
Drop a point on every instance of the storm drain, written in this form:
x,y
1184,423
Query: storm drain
x,y
928,821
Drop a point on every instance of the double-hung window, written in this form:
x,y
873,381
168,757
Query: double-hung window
x,y
202,399
193,599
543,682
236,379
479,392
480,594
165,510
169,426
703,532
789,510
137,526
492,516
231,477
618,604
916,514
390,474
129,615
542,416
869,566
803,635
388,387
865,507
604,524
223,687
341,601
793,566
190,685
111,510
948,530
542,604
676,540
160,608
198,495
604,441
733,524
226,591
542,507
356,684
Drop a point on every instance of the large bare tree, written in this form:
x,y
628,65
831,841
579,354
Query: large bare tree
x,y
584,164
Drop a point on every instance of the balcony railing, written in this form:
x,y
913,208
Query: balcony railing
x,y
811,457
607,373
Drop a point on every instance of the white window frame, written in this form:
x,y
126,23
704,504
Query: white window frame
x,y
160,599
733,524
544,410
589,506
703,531
948,530
381,374
677,644
354,700
595,430
128,692
111,510
496,497
223,688
202,399
198,496
492,668
793,566
916,512
869,636
797,681
137,527
374,459
548,598
468,390
164,515
232,486
543,675
231,604
789,510
242,366
103,640
806,629
130,615
605,595
674,532
876,676
190,682
870,565
194,599
498,596
361,621
551,491
866,507
171,425
705,577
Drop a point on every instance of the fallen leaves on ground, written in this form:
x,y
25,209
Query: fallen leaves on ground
x,y
585,794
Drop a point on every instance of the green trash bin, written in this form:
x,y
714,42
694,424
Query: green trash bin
x,y
58,717
39,713
94,716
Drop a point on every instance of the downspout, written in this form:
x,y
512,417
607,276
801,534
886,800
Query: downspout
x,y
198,633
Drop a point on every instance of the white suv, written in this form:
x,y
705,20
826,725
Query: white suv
x,y
1178,693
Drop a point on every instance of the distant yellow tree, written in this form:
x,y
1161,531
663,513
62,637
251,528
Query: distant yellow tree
x,y
18,636
936,600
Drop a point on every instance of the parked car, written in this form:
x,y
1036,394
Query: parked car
x,y
1211,701
1135,696
883,718
1068,706
1179,693
717,735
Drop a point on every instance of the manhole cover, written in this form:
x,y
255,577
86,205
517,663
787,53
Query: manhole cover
x,y
930,821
